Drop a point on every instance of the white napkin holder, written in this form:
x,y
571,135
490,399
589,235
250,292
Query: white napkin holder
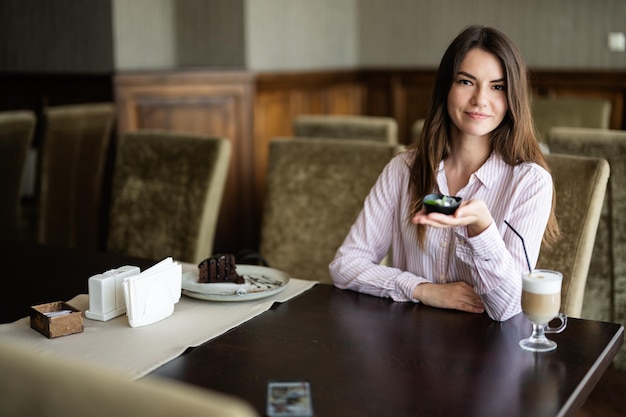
x,y
150,296
106,296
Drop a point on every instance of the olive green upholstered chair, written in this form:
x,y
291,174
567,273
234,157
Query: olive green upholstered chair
x,y
166,194
416,129
36,384
606,287
16,135
551,112
580,183
73,156
315,190
383,129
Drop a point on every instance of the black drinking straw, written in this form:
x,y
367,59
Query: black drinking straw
x,y
530,269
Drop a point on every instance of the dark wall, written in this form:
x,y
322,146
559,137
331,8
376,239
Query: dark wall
x,y
56,36
209,33
55,52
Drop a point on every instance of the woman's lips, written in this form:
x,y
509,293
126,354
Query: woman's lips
x,y
477,116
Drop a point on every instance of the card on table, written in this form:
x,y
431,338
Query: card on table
x,y
289,399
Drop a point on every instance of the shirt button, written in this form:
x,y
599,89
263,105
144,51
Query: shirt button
x,y
442,278
442,244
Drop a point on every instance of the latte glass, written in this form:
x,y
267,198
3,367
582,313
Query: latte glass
x,y
541,302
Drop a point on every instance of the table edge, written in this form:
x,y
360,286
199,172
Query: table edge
x,y
576,394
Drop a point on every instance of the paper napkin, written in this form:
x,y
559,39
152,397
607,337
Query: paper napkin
x,y
150,295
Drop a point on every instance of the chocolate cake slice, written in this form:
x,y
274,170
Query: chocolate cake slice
x,y
219,268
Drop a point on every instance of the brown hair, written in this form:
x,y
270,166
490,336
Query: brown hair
x,y
514,140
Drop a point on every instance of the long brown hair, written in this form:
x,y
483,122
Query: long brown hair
x,y
514,139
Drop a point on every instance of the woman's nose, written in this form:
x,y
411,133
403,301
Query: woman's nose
x,y
479,98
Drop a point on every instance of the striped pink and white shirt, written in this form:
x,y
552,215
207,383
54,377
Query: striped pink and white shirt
x,y
491,262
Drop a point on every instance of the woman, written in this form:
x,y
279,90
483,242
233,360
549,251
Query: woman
x,y
478,143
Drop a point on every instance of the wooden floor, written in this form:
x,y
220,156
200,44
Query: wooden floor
x,y
608,399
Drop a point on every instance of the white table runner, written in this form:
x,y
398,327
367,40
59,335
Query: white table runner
x,y
138,351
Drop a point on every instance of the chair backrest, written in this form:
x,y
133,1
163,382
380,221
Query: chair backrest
x,y
34,384
606,288
16,135
580,183
74,154
383,129
315,190
166,194
550,112
416,129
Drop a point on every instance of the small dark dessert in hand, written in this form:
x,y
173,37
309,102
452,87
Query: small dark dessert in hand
x,y
219,268
440,203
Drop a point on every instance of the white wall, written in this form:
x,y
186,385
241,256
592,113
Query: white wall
x,y
301,34
277,35
144,34
171,34
550,33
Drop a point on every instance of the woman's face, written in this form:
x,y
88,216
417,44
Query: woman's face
x,y
477,100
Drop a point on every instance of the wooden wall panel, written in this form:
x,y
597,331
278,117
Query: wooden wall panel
x,y
273,112
412,92
214,104
343,99
401,94
378,93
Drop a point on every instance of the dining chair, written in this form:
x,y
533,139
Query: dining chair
x,y
16,135
550,112
74,154
37,384
605,298
580,184
315,190
383,129
416,129
166,194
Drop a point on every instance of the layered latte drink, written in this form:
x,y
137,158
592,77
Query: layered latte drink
x,y
541,295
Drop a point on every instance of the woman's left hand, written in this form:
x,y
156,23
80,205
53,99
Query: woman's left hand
x,y
473,213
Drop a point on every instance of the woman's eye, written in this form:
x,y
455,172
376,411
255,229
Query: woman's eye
x,y
499,87
465,82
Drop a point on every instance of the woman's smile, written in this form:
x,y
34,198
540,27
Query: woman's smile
x,y
477,116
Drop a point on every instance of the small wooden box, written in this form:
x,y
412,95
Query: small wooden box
x,y
56,326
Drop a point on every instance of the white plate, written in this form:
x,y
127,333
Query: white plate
x,y
260,282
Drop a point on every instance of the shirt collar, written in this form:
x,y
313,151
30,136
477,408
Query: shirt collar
x,y
489,172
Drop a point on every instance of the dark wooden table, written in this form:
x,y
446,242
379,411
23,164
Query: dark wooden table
x,y
367,356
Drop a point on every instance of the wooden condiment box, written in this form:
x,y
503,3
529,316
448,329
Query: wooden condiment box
x,y
56,326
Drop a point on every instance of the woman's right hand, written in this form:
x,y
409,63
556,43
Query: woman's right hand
x,y
472,213
452,295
